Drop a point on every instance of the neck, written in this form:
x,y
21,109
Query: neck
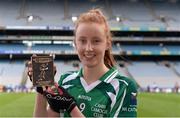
x,y
92,74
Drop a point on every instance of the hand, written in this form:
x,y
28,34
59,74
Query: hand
x,y
59,99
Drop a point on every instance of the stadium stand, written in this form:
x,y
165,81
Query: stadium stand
x,y
144,49
50,16
135,14
12,47
177,67
14,74
130,13
11,73
174,49
148,73
146,33
9,12
166,9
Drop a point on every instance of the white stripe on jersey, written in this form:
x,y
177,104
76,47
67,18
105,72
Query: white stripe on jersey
x,y
119,108
123,81
113,99
66,86
111,76
115,84
70,77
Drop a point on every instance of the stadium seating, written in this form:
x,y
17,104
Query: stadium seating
x,y
177,67
174,49
145,73
11,73
12,48
132,14
142,49
166,9
148,73
45,16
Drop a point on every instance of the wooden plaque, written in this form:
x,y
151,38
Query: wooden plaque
x,y
43,71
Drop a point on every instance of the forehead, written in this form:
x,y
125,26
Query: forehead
x,y
90,29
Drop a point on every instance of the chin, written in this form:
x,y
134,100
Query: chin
x,y
90,65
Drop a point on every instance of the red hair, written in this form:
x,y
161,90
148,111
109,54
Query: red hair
x,y
96,16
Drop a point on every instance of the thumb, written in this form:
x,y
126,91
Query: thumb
x,y
59,88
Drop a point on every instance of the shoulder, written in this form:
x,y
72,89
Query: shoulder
x,y
130,83
70,75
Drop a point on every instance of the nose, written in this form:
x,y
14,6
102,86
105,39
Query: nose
x,y
89,47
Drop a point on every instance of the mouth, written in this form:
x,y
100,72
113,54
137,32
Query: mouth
x,y
89,56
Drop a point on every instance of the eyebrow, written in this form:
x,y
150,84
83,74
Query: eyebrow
x,y
82,36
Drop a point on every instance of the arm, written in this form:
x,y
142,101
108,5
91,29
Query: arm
x,y
52,113
76,113
40,109
40,106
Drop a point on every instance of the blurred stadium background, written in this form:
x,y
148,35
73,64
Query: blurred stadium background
x,y
146,45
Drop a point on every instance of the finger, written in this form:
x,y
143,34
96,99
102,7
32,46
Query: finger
x,y
51,90
56,84
29,75
55,70
29,68
29,63
51,54
30,71
44,88
59,90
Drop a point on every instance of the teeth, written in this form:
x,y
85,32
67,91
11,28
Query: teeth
x,y
89,56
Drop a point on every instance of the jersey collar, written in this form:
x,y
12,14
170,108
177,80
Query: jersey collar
x,y
107,77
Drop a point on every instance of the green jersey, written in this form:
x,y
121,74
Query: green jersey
x,y
112,95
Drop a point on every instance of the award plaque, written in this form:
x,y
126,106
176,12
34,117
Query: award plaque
x,y
43,71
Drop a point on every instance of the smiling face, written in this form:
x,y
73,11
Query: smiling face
x,y
91,44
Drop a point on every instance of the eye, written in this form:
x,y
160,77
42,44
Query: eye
x,y
96,40
82,40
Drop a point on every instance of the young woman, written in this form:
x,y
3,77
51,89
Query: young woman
x,y
97,89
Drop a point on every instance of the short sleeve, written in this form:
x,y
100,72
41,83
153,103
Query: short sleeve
x,y
63,76
60,80
129,107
